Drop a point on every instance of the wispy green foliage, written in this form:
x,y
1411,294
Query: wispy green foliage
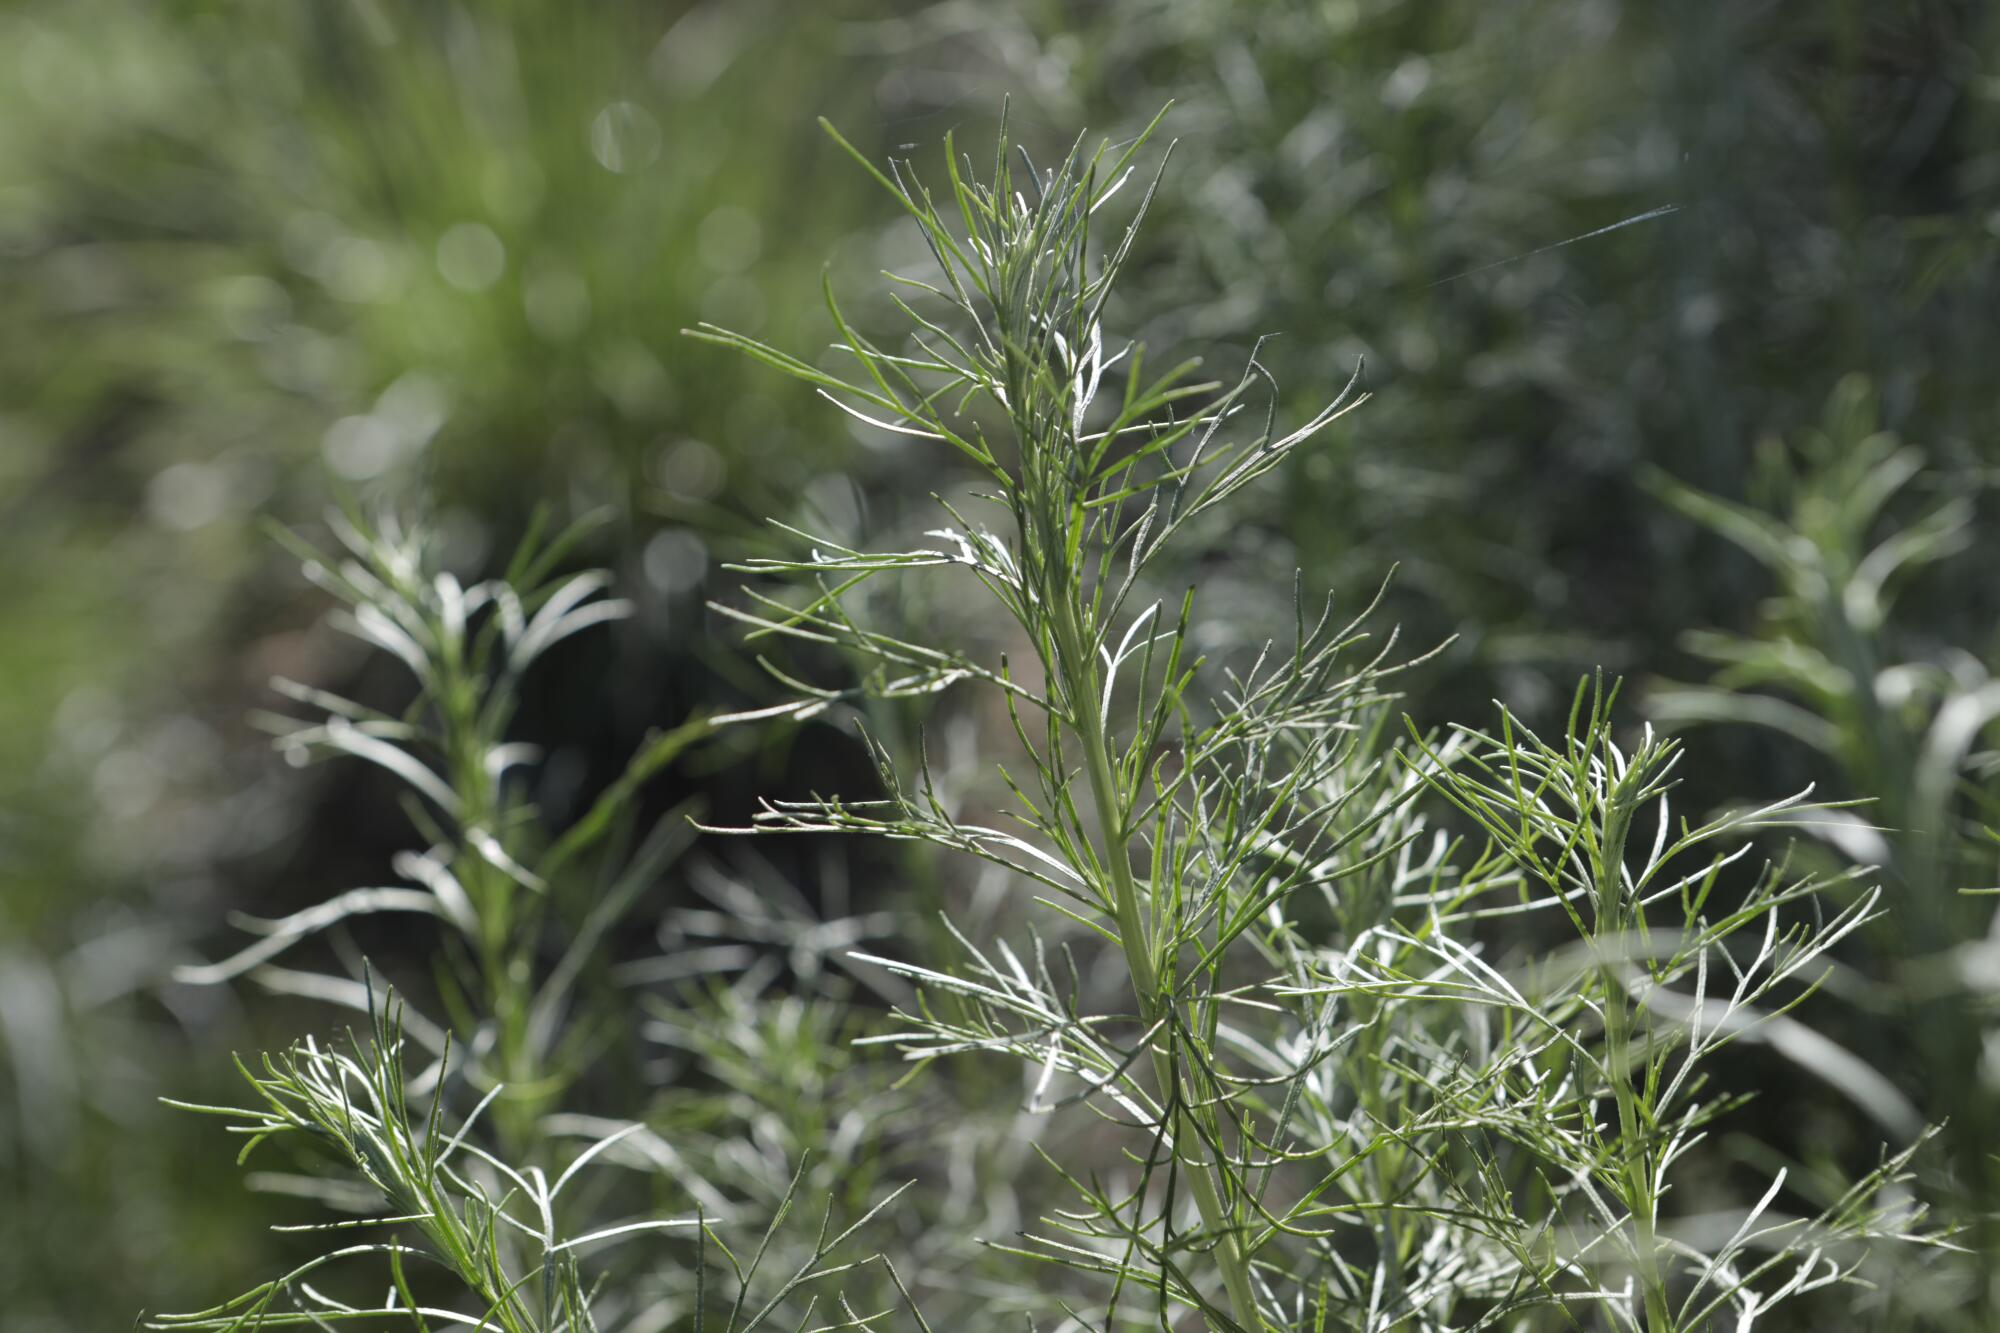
x,y
526,913
1338,1111
503,888
1095,491
1825,669
1668,972
492,1227
1843,521
505,1236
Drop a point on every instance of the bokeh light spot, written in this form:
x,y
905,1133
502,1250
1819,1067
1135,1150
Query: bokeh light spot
x,y
471,257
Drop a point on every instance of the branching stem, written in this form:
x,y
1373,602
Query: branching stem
x,y
1612,914
1204,1170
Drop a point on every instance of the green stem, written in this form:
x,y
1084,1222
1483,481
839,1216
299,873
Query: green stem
x,y
1637,1162
1204,1174
493,894
1385,1165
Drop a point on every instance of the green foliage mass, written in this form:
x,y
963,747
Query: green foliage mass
x,y
1671,318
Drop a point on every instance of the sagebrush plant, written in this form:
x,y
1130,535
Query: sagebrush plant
x,y
1906,722
463,1182
498,1232
502,886
1346,1099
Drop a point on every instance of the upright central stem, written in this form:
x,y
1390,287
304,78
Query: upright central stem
x,y
494,897
1612,922
1204,1171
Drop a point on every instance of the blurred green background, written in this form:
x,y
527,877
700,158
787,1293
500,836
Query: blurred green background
x,y
253,256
